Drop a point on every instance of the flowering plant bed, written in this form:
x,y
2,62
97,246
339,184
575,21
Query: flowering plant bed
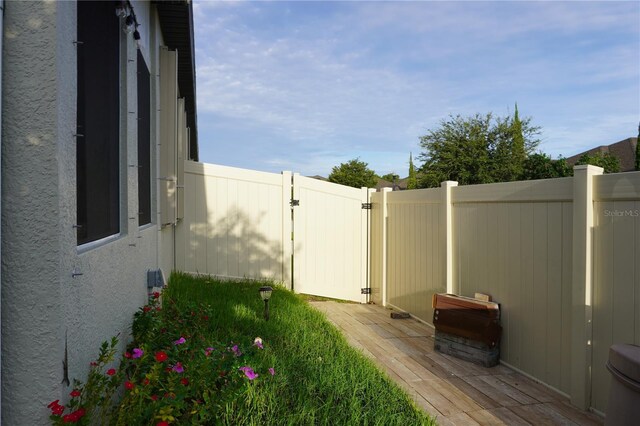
x,y
196,359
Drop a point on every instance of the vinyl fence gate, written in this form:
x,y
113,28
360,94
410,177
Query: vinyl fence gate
x,y
330,239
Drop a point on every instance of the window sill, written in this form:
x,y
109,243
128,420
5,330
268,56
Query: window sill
x,y
97,243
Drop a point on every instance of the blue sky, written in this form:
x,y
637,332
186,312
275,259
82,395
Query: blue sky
x,y
305,86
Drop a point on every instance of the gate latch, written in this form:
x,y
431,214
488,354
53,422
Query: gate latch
x,y
294,203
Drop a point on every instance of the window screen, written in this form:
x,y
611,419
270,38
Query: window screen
x,y
144,142
98,121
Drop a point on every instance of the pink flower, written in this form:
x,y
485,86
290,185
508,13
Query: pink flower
x,y
208,351
180,341
248,371
178,368
137,353
272,371
111,372
235,350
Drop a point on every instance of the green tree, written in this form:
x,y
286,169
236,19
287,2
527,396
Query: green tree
x,y
541,166
610,163
391,177
457,150
354,173
476,149
638,150
510,147
412,181
519,153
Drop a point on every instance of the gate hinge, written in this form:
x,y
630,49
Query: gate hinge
x,y
294,203
366,290
366,206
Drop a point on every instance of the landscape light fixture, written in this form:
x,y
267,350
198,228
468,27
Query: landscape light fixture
x,y
265,294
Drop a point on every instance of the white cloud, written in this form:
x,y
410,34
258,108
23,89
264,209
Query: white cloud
x,y
313,86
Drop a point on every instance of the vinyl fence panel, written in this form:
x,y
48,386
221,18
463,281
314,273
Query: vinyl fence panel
x,y
513,242
416,250
616,273
236,223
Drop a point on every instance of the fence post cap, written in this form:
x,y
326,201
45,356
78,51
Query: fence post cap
x,y
589,167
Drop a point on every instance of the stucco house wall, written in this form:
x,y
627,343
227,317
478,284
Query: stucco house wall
x,y
44,302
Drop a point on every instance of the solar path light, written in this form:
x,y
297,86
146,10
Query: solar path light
x,y
265,294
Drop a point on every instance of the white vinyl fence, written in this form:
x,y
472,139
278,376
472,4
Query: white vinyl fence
x,y
330,239
561,256
514,242
616,272
244,224
236,224
415,259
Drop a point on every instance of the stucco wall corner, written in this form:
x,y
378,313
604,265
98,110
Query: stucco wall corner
x,y
32,353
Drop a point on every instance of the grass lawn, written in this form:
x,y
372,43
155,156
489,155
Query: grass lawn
x,y
319,378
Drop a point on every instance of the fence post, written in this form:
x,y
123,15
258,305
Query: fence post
x,y
287,231
370,191
582,286
448,243
383,244
296,231
364,244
